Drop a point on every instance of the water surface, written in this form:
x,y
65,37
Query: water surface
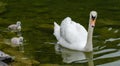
x,y
37,17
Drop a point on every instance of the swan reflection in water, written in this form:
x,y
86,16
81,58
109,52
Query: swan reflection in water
x,y
72,56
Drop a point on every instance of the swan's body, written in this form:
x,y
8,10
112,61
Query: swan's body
x,y
74,36
15,27
17,40
70,34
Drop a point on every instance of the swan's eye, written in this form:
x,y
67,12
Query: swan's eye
x,y
93,17
93,20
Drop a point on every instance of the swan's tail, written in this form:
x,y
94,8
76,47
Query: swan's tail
x,y
56,30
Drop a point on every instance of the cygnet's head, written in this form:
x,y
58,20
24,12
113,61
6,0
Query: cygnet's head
x,y
18,23
21,39
93,17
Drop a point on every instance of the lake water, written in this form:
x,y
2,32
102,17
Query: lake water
x,y
37,19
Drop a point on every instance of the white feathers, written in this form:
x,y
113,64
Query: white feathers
x,y
70,34
93,13
15,27
57,31
17,41
74,36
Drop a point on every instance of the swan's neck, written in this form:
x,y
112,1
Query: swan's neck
x,y
89,46
18,25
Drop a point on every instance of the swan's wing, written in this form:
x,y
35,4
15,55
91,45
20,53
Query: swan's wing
x,y
13,26
73,32
56,31
14,40
80,29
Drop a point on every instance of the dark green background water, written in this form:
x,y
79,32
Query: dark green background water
x,y
37,17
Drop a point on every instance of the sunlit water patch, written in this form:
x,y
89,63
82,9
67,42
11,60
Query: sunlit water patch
x,y
114,63
111,39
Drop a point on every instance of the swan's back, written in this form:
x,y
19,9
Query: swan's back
x,y
15,40
72,35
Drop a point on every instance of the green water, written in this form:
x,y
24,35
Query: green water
x,y
37,17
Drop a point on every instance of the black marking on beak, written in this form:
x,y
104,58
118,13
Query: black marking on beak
x,y
93,17
93,26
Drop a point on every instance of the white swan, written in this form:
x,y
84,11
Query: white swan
x,y
15,27
74,36
17,41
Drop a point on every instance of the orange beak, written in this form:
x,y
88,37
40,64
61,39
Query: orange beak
x,y
92,23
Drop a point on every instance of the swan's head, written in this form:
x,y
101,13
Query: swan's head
x,y
21,39
18,23
93,17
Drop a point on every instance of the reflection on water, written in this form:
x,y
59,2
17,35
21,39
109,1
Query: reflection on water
x,y
109,29
110,55
111,39
115,31
116,63
72,56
